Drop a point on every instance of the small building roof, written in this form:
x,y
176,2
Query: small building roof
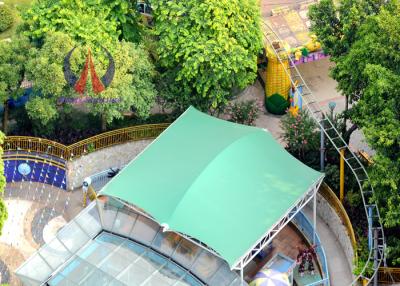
x,y
222,183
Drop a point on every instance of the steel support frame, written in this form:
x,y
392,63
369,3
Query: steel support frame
x,y
277,227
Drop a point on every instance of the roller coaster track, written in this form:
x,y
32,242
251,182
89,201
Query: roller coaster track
x,y
352,161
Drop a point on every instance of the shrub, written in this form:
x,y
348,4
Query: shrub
x,y
6,18
300,134
244,112
276,104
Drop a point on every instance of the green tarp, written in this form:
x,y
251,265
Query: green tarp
x,y
222,183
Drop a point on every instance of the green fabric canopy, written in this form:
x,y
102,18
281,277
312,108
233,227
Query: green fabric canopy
x,y
222,183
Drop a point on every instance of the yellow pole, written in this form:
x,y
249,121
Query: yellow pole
x,y
341,175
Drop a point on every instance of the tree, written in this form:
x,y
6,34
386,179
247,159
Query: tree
x,y
336,26
3,208
206,49
369,73
6,18
131,87
13,56
96,22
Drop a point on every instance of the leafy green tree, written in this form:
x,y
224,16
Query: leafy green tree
x,y
6,18
96,22
368,72
131,87
13,56
3,209
336,26
206,49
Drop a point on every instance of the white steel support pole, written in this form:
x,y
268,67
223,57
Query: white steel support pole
x,y
241,273
314,214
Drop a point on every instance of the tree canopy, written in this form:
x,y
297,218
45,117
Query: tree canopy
x,y
132,84
206,49
97,22
368,70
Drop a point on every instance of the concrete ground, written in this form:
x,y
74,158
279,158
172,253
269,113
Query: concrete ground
x,y
316,75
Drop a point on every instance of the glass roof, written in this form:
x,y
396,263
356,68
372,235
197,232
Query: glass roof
x,y
113,260
112,244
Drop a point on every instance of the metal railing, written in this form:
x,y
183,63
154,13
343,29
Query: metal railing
x,y
333,135
388,275
99,180
104,140
335,203
304,225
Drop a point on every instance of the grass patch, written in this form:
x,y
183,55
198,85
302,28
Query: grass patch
x,y
16,6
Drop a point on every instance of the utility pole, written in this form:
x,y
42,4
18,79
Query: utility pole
x,y
376,255
322,148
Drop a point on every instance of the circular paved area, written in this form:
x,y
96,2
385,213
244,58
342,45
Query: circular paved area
x,y
35,213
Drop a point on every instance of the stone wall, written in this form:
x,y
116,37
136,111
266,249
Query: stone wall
x,y
328,214
93,163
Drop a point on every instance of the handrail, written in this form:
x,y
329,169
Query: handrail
x,y
304,225
83,147
388,275
335,203
337,141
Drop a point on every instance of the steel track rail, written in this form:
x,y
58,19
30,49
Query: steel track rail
x,y
352,161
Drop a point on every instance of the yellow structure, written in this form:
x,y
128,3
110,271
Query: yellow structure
x,y
278,75
342,154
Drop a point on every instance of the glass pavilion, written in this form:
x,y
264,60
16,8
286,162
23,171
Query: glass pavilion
x,y
193,209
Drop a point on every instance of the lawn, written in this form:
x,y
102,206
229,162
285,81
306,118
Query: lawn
x,y
17,6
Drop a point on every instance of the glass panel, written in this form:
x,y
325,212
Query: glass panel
x,y
72,236
190,280
166,242
206,265
223,277
89,220
157,280
108,215
77,270
97,277
36,269
114,264
172,271
109,240
55,253
131,250
94,253
144,230
134,275
156,260
28,282
60,280
124,222
237,282
186,253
